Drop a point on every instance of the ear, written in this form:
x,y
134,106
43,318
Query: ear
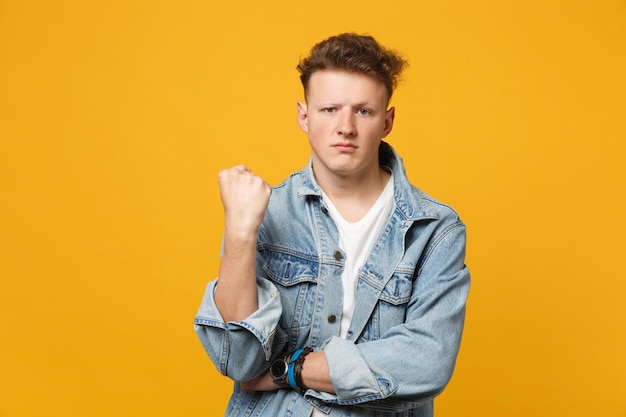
x,y
302,117
391,114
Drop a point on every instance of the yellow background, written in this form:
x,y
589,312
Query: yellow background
x,y
116,116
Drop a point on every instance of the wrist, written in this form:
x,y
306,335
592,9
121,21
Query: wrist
x,y
299,384
316,373
240,234
286,369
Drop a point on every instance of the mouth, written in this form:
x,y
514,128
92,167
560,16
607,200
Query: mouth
x,y
345,146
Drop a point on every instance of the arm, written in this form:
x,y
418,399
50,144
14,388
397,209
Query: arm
x,y
315,375
245,198
238,318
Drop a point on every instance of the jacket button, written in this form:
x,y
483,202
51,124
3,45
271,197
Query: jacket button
x,y
332,318
338,255
324,210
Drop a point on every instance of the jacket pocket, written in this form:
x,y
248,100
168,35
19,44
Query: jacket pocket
x,y
391,305
295,276
399,288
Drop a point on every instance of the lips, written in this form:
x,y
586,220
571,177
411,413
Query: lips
x,y
345,146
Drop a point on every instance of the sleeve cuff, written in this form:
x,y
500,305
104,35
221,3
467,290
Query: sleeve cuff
x,y
352,377
262,324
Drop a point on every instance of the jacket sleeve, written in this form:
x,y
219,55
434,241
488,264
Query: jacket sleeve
x,y
240,349
412,362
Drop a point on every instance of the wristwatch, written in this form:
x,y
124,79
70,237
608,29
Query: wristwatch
x,y
279,370
286,369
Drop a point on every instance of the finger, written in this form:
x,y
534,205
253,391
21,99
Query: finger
x,y
229,172
242,167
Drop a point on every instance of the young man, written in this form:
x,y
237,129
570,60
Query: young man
x,y
341,291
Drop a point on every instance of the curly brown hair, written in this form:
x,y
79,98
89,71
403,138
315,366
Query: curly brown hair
x,y
353,53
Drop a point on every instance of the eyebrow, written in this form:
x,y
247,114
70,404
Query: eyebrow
x,y
356,105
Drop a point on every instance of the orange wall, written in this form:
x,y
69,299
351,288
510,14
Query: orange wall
x,y
116,116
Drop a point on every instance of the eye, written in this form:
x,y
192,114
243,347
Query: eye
x,y
329,110
363,112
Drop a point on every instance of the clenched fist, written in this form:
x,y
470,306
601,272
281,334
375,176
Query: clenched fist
x,y
245,198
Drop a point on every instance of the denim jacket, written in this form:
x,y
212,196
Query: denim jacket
x,y
404,337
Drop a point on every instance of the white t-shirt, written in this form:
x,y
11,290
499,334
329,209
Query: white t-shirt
x,y
356,240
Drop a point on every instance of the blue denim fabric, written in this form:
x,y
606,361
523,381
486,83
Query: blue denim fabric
x,y
404,337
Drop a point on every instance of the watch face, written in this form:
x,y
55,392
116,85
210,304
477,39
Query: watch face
x,y
278,369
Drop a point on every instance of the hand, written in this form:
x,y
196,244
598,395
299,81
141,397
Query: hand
x,y
245,198
261,383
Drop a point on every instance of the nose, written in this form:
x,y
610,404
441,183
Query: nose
x,y
347,126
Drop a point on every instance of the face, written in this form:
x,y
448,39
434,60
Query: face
x,y
345,118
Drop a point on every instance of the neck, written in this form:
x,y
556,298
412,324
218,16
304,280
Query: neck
x,y
352,195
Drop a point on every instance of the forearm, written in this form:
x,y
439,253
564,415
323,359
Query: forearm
x,y
236,291
245,197
316,374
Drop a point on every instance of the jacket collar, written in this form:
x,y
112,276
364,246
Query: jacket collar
x,y
412,202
